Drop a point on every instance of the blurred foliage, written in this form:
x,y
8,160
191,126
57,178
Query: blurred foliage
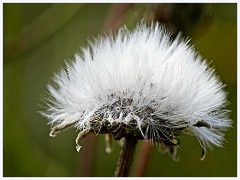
x,y
37,40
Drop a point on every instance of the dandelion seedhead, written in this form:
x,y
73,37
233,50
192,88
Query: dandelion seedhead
x,y
140,84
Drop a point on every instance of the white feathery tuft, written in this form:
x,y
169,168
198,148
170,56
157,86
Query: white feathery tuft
x,y
144,81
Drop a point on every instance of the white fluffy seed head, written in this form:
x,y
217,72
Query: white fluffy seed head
x,y
144,83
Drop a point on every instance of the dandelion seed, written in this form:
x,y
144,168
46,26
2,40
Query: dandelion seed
x,y
140,84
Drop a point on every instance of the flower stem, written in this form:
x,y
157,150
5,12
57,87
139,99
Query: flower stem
x,y
126,157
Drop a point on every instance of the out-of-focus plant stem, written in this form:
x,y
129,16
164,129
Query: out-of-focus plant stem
x,y
142,163
116,15
88,153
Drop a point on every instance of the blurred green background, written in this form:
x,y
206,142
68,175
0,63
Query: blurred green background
x,y
37,40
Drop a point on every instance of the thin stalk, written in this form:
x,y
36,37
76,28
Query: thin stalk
x,y
116,16
143,158
126,157
88,155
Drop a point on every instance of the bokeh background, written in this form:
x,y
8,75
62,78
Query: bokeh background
x,y
38,38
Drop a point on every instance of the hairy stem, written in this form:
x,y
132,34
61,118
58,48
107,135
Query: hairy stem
x,y
126,157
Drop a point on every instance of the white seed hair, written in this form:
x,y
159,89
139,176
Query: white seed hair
x,y
150,69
